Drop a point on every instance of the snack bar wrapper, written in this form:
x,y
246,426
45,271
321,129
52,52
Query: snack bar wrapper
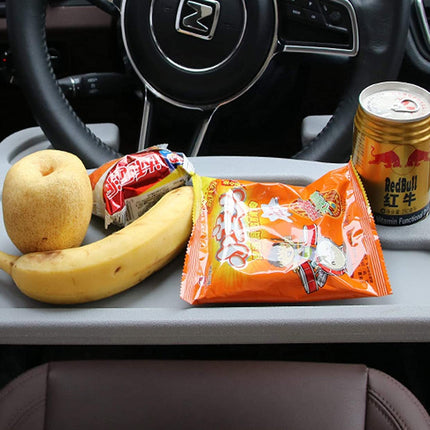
x,y
125,188
270,242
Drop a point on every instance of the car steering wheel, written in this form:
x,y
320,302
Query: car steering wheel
x,y
201,54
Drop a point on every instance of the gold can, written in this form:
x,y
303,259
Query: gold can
x,y
391,151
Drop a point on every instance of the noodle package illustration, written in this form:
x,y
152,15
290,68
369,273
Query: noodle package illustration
x,y
271,242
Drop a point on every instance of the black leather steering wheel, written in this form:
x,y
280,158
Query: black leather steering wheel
x,y
201,54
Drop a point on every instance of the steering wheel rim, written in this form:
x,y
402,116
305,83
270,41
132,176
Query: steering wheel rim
x,y
383,27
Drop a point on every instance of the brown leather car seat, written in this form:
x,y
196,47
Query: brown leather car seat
x,y
170,394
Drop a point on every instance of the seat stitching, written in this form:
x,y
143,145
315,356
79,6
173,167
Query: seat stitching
x,y
408,394
19,382
48,370
388,405
25,412
383,412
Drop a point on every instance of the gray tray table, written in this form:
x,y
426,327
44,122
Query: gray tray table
x,y
153,313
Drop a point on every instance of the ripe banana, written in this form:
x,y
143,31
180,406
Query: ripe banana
x,y
110,265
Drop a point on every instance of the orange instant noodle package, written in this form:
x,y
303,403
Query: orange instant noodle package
x,y
270,242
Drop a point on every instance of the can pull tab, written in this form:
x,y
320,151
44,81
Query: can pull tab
x,y
405,105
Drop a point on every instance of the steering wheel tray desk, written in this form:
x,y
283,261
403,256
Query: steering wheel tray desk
x,y
153,313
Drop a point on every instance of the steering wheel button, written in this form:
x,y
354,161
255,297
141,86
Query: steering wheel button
x,y
313,17
311,5
295,12
335,14
335,17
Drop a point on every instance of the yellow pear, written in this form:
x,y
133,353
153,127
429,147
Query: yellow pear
x,y
47,201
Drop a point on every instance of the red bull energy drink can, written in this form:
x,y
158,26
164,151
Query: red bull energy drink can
x,y
391,151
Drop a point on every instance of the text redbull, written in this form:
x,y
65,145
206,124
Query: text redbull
x,y
391,151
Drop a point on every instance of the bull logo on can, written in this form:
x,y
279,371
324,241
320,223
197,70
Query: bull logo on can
x,y
388,158
417,156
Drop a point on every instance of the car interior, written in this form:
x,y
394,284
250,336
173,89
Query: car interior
x,y
262,90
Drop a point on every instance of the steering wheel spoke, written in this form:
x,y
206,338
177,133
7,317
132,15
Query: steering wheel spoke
x,y
188,126
145,128
318,26
200,132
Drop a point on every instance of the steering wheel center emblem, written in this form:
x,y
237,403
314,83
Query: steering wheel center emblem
x,y
188,52
198,18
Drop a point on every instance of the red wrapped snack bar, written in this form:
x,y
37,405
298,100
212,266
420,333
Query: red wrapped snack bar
x,y
125,188
269,242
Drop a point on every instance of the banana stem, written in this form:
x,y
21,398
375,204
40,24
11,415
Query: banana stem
x,y
7,261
